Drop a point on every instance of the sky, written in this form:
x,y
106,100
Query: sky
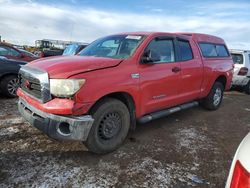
x,y
23,22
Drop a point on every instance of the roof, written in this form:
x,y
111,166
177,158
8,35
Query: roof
x,y
239,51
199,37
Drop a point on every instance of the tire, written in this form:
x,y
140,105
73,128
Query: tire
x,y
9,85
214,98
247,88
110,127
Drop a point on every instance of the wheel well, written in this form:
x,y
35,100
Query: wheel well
x,y
222,79
8,74
127,99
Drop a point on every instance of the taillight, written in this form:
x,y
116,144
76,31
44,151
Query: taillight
x,y
241,177
243,71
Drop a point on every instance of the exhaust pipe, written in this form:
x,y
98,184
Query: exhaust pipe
x,y
166,112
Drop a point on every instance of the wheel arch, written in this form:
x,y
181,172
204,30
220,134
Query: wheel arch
x,y
222,79
7,74
127,99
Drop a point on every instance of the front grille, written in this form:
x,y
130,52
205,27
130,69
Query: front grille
x,y
31,85
35,82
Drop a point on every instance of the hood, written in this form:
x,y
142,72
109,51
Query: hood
x,y
66,66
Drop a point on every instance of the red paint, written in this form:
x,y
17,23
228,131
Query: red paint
x,y
105,76
55,106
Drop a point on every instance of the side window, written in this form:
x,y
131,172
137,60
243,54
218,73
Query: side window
x,y
208,50
13,52
213,50
185,50
163,49
3,51
221,51
237,58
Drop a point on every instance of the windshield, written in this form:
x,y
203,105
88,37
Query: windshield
x,y
117,47
28,53
70,49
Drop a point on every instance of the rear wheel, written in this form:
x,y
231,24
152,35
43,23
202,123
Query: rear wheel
x,y
214,98
9,85
110,127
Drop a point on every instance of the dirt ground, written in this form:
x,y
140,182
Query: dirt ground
x,y
192,148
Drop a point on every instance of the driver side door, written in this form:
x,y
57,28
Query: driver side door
x,y
160,80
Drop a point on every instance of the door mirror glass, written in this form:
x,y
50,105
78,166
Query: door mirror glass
x,y
150,56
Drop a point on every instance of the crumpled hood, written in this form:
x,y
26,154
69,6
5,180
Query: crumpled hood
x,y
66,66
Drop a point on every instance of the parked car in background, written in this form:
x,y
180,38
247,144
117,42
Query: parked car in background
x,y
11,52
241,75
239,175
98,95
73,49
29,54
9,76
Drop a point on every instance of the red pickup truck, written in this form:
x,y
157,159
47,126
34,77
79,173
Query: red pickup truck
x,y
98,95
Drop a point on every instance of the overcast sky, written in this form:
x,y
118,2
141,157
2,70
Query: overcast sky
x,y
23,22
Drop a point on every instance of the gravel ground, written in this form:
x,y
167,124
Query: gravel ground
x,y
192,148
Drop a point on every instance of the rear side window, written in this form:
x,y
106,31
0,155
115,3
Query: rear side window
x,y
213,50
237,58
208,50
221,51
185,50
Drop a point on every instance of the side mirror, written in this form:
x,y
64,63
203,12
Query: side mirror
x,y
150,56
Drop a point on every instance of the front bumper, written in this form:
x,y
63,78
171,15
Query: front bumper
x,y
55,126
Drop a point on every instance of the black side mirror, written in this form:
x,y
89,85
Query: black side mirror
x,y
150,56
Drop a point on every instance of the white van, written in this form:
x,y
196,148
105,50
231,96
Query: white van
x,y
241,75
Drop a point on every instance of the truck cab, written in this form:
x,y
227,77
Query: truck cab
x,y
122,79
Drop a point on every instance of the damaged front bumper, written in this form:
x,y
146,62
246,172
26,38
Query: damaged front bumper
x,y
55,126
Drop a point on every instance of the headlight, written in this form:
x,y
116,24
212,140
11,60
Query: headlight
x,y
65,87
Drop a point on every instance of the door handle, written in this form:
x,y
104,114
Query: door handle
x,y
176,69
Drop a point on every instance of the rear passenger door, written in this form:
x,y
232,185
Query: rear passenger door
x,y
191,70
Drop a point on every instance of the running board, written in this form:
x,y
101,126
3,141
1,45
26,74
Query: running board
x,y
166,112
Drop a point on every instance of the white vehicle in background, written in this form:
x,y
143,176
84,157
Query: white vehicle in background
x,y
239,175
241,76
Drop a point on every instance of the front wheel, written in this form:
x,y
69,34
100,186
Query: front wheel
x,y
110,127
9,85
214,98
